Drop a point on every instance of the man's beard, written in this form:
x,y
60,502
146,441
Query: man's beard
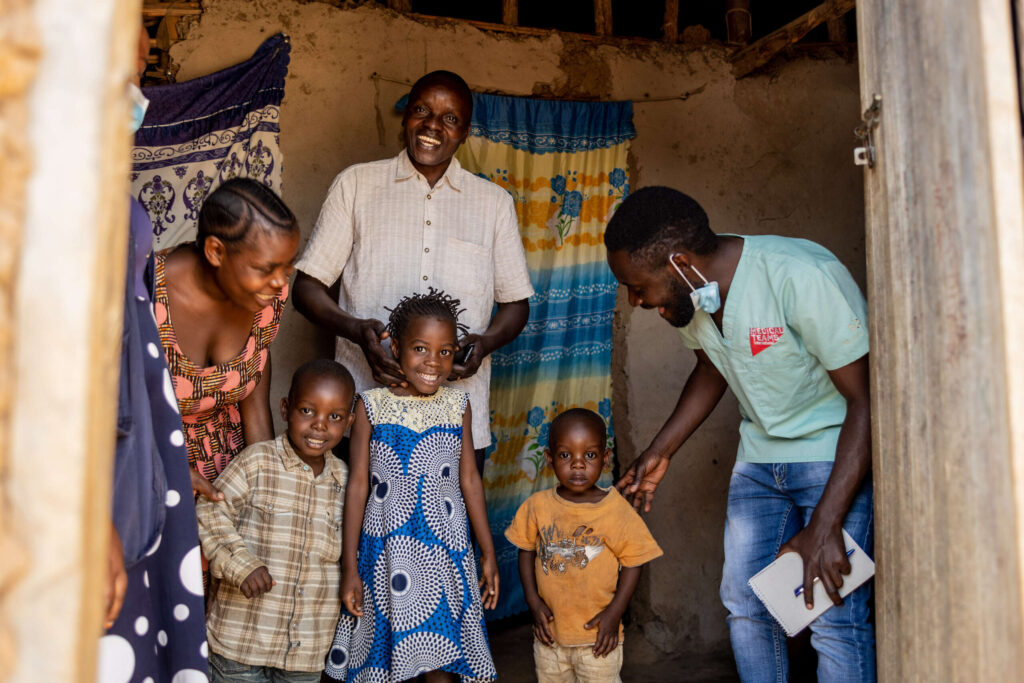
x,y
680,312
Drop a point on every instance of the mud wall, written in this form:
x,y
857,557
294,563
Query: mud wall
x,y
771,153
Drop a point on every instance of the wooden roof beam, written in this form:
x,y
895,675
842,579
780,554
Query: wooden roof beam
x,y
760,52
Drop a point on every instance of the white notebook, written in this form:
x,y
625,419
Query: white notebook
x,y
780,587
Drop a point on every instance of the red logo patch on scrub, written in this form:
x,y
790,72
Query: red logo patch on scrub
x,y
763,337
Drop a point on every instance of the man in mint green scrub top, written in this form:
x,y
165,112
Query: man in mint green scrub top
x,y
780,322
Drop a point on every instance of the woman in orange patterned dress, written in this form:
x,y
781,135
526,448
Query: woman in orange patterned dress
x,y
218,306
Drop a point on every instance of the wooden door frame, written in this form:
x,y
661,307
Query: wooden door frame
x,y
64,115
945,245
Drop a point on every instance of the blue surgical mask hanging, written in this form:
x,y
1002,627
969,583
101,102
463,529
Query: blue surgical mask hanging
x,y
706,297
139,106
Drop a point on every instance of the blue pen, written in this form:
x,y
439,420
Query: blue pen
x,y
800,589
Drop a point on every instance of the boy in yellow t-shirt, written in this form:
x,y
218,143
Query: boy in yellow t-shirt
x,y
572,541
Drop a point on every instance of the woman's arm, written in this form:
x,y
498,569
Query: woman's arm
x,y
476,508
355,506
257,423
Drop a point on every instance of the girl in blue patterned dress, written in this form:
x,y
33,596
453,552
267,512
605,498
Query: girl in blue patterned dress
x,y
413,482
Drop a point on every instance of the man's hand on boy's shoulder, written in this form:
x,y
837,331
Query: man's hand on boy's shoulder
x,y
542,618
257,583
607,623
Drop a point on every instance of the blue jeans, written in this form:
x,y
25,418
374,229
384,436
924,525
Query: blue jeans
x,y
224,670
768,505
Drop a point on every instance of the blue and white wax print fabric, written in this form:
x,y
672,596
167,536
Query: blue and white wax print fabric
x,y
421,600
202,132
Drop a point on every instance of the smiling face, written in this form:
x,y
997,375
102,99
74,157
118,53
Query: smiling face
x,y
657,287
577,453
426,353
318,410
436,122
253,273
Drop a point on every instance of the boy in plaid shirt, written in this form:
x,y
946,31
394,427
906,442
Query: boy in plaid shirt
x,y
274,542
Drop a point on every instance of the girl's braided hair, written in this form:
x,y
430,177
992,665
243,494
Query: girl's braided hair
x,y
434,304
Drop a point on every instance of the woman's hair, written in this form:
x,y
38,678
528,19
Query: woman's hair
x,y
230,210
433,304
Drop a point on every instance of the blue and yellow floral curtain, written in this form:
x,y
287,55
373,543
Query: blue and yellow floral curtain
x,y
564,163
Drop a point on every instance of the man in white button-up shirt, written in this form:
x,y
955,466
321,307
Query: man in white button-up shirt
x,y
393,227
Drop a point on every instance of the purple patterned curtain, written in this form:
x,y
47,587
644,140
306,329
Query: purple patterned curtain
x,y
201,132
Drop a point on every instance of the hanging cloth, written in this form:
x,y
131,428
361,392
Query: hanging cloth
x,y
198,133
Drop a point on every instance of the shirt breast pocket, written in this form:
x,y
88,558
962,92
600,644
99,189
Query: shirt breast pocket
x,y
471,264
327,520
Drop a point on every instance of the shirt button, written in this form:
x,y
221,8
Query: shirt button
x,y
310,520
428,196
424,277
426,249
300,591
428,222
270,507
305,467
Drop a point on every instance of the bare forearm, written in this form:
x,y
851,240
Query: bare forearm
x,y
257,422
528,575
852,463
853,448
701,393
628,579
476,509
508,321
312,300
352,526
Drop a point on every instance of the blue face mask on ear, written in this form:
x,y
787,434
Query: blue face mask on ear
x,y
139,106
705,298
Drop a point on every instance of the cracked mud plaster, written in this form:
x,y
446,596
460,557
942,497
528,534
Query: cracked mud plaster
x,y
585,75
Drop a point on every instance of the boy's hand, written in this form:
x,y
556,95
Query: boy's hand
x,y
352,593
607,623
489,581
542,618
257,583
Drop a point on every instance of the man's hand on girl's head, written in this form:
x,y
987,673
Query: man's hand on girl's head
x,y
385,369
470,365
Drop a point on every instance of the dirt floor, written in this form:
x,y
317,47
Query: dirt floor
x,y
512,647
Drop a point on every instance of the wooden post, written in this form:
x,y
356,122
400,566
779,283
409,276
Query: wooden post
x,y
603,17
738,27
837,30
945,244
64,323
670,27
510,12
760,53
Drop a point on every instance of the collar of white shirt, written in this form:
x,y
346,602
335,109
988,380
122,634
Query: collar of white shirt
x,y
452,175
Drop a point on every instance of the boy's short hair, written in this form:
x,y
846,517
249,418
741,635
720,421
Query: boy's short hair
x,y
322,367
566,417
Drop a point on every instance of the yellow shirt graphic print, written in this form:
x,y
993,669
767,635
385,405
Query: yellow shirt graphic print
x,y
559,550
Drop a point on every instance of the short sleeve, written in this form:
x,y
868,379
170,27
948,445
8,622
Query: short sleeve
x,y
522,532
689,339
634,544
330,245
511,277
826,309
